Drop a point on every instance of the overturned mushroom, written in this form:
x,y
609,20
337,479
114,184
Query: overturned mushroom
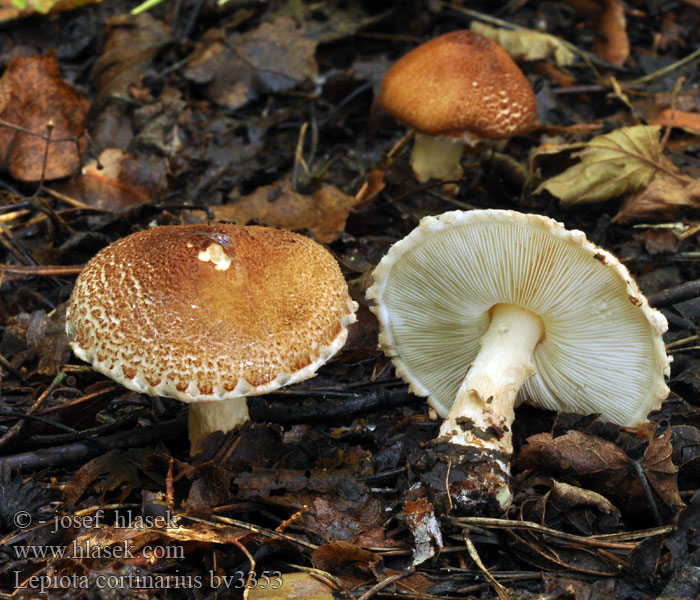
x,y
459,87
482,310
209,314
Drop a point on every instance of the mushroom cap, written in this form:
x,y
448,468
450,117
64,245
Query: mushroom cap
x,y
209,312
602,350
460,83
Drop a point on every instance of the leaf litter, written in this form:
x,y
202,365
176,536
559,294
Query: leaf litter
x,y
266,115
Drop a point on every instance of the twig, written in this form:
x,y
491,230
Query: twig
x,y
498,588
349,406
387,582
674,102
5,364
15,429
80,452
42,270
664,70
299,157
674,295
45,160
647,492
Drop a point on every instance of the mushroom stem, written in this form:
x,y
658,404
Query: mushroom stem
x,y
483,411
436,157
207,417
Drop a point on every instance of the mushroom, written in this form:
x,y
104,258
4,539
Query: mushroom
x,y
459,87
485,309
209,314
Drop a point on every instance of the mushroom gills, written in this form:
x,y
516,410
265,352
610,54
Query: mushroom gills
x,y
483,411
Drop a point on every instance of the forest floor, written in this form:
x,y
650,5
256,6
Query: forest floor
x,y
266,113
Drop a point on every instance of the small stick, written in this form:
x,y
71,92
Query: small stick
x,y
674,295
15,429
501,591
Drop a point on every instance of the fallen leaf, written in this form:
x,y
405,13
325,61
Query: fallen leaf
x,y
605,468
32,96
661,241
338,556
615,47
117,180
131,42
116,469
660,471
611,165
16,9
238,67
293,586
419,515
666,197
525,44
690,121
323,213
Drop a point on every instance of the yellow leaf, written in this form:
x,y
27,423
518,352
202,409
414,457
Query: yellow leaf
x,y
526,44
611,165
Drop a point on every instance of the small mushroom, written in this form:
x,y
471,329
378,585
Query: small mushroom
x,y
209,314
484,309
459,87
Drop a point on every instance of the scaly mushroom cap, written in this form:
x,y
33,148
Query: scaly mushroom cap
x,y
602,350
209,312
460,82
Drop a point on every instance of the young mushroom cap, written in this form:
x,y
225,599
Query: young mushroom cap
x,y
209,314
484,309
458,87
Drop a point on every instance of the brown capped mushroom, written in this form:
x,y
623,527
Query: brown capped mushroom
x,y
485,309
209,314
459,87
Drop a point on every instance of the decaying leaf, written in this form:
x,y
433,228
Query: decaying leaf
x,y
293,586
238,67
16,9
605,468
118,469
131,42
525,44
117,180
419,515
666,197
339,556
615,45
611,165
690,121
323,213
32,96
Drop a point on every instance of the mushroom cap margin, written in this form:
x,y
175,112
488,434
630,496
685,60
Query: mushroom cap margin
x,y
274,310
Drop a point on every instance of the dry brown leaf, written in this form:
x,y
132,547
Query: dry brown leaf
x,y
32,95
611,165
690,121
323,213
339,556
238,67
664,198
131,43
293,586
116,469
613,24
525,44
121,181
660,471
603,467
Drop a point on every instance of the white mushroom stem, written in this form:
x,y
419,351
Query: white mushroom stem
x,y
207,417
436,157
483,412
